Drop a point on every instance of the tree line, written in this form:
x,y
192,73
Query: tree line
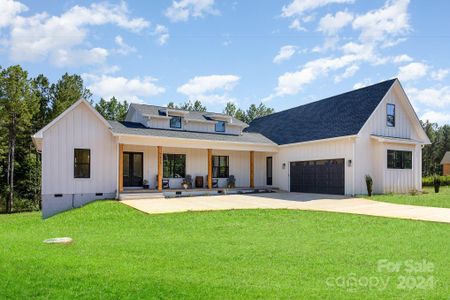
x,y
27,104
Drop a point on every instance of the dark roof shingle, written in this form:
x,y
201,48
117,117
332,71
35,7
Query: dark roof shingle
x,y
336,116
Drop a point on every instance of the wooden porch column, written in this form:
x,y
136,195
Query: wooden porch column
x,y
252,169
160,168
209,168
120,168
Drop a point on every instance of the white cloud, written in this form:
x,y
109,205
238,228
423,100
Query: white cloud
x,y
162,33
412,71
123,88
77,57
330,24
210,89
299,7
285,53
9,9
436,117
349,72
402,59
432,97
41,36
439,74
296,25
124,48
381,24
182,10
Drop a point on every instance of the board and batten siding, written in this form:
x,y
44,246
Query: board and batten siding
x,y
80,128
318,150
371,155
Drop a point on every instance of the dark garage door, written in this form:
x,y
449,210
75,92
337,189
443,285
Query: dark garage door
x,y
318,176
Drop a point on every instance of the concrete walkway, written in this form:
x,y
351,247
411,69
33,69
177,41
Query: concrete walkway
x,y
291,201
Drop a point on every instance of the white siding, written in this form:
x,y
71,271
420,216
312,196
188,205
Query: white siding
x,y
342,148
371,155
78,129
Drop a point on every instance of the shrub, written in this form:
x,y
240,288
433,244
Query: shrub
x,y
369,184
429,180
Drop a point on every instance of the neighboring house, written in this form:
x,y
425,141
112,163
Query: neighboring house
x,y
446,164
326,146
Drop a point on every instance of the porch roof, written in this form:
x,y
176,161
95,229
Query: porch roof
x,y
131,128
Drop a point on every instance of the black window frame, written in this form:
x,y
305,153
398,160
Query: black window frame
x,y
390,118
77,173
220,170
220,122
172,125
170,167
399,159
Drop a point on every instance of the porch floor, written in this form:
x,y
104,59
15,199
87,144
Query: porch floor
x,y
129,194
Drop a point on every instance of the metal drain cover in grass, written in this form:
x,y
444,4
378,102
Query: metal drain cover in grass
x,y
62,240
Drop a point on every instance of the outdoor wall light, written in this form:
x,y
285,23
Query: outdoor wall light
x,y
349,163
283,166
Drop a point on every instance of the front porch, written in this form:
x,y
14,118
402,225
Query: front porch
x,y
147,169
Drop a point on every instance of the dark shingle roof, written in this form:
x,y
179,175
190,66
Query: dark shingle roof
x,y
446,158
335,116
139,129
191,115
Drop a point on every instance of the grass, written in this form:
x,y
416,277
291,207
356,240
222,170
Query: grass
x,y
119,252
430,198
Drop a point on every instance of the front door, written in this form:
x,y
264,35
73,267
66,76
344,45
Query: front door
x,y
269,170
132,168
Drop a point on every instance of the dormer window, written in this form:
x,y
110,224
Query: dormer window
x,y
220,126
390,115
175,122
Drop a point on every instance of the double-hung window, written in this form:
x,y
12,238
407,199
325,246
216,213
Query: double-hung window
x,y
399,159
390,115
220,166
174,165
82,163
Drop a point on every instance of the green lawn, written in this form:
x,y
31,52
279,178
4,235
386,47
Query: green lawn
x,y
430,198
122,253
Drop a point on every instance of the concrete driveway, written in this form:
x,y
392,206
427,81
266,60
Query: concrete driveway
x,y
299,201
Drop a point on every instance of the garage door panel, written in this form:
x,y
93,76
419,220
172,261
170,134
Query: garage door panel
x,y
320,176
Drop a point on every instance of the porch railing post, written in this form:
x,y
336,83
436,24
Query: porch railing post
x,y
209,168
160,168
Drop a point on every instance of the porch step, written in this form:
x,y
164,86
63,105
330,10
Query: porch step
x,y
136,196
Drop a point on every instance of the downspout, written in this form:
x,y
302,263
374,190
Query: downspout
x,y
353,166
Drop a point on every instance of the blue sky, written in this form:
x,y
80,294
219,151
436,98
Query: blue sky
x,y
285,53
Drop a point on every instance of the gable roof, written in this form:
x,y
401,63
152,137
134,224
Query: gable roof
x,y
68,110
446,158
133,128
154,110
340,115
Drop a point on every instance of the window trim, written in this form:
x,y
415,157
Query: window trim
x,y
177,117
172,176
224,126
75,163
227,166
389,115
402,162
